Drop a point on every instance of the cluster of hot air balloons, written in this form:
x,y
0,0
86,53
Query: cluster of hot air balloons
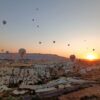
x,y
41,42
52,42
37,9
87,48
23,51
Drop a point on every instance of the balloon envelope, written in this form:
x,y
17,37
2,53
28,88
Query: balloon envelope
x,y
22,52
2,50
4,22
93,49
33,19
54,41
40,42
38,26
37,9
7,52
68,44
72,57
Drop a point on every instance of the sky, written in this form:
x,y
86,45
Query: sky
x,y
74,22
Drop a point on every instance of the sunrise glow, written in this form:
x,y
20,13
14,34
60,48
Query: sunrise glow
x,y
91,56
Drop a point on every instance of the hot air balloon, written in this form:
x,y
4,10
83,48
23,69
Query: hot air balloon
x,y
2,50
38,26
68,45
93,49
37,9
4,22
40,42
72,57
33,19
7,52
22,52
54,41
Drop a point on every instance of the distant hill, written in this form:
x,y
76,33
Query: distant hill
x,y
32,56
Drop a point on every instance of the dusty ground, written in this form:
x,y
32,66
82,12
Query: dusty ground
x,y
91,91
